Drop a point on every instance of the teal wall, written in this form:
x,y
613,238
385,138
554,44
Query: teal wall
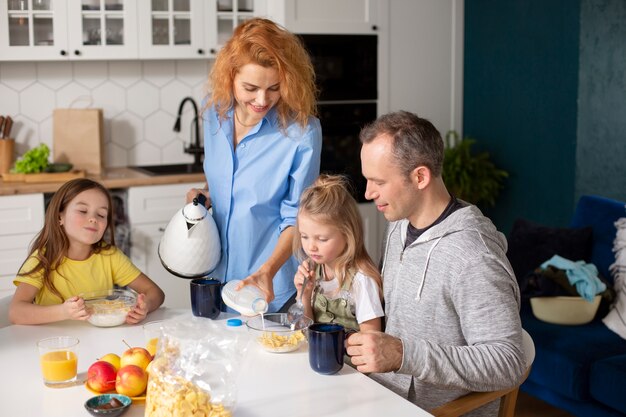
x,y
520,102
601,145
545,94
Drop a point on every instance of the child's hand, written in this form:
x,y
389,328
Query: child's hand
x,y
139,312
74,308
298,280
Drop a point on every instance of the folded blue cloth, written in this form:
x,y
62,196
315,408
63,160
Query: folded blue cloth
x,y
581,275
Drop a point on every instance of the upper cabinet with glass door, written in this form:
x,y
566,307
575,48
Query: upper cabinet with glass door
x,y
172,29
230,13
67,29
33,28
102,29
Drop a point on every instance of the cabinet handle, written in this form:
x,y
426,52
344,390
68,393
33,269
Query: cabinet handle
x,y
77,52
161,229
374,27
200,51
212,51
63,52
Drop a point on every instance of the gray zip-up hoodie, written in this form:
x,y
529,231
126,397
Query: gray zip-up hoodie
x,y
452,298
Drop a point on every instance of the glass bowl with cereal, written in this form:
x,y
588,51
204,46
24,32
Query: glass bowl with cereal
x,y
273,332
108,308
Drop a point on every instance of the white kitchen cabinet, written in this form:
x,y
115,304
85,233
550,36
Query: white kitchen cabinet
x,y
373,228
21,218
150,208
327,16
73,29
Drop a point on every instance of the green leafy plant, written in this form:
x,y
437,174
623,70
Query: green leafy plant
x,y
33,161
471,176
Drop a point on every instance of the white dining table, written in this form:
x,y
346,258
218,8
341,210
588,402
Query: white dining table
x,y
269,384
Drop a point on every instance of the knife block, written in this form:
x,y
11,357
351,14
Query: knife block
x,y
7,149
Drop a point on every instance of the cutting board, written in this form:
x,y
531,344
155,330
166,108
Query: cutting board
x,y
78,138
44,176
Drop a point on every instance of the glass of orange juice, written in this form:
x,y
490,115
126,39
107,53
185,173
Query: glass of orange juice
x,y
59,361
152,333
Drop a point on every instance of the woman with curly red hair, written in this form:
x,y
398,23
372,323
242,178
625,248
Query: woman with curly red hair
x,y
262,146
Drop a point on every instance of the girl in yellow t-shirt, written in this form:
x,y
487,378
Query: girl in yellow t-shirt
x,y
70,256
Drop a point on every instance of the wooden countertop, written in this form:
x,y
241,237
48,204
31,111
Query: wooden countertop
x,y
111,178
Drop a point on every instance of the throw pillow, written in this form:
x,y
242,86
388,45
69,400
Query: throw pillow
x,y
531,244
616,319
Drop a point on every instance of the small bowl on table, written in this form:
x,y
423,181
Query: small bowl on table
x,y
108,405
108,308
273,332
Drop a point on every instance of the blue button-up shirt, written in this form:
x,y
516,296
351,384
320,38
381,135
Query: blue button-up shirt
x,y
255,190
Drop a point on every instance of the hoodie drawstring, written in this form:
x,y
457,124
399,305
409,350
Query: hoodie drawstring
x,y
419,290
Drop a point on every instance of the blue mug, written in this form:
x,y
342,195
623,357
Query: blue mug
x,y
206,297
326,347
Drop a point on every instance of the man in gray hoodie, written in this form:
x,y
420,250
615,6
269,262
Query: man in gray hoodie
x,y
451,298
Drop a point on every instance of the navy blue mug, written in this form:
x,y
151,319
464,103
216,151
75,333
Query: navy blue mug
x,y
326,347
206,297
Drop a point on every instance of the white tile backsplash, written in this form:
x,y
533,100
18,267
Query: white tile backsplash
x,y
139,99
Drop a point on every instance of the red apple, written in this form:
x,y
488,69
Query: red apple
x,y
131,380
101,376
136,356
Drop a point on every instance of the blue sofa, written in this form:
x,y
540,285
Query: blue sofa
x,y
582,369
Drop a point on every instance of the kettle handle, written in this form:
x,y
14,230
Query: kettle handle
x,y
200,199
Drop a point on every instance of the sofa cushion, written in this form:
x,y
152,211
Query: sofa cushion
x,y
564,354
531,244
608,382
600,214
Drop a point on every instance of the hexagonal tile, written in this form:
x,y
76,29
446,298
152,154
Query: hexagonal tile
x,y
173,153
126,130
54,74
142,99
9,100
26,134
192,72
18,75
37,102
145,153
115,156
90,74
158,128
110,97
46,130
159,73
73,95
125,73
171,96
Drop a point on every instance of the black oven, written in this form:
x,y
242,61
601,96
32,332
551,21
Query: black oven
x,y
346,75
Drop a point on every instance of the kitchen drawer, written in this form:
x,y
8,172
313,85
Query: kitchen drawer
x,y
21,214
156,203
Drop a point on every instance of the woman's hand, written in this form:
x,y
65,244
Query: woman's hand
x,y
74,309
139,312
193,193
261,279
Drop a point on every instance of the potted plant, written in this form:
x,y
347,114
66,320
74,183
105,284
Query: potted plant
x,y
470,176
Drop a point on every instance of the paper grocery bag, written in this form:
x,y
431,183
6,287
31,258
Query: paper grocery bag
x,y
78,138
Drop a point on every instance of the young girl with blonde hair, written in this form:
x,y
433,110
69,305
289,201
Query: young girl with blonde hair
x,y
71,256
343,284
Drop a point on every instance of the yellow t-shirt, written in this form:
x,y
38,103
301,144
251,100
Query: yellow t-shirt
x,y
98,272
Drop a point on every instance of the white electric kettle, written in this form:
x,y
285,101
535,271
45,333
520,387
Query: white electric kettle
x,y
190,246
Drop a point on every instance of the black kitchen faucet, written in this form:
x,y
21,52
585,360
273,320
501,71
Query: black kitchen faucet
x,y
194,147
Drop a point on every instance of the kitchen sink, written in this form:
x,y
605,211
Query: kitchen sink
x,y
171,169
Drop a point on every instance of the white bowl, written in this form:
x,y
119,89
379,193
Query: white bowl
x,y
564,310
108,308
